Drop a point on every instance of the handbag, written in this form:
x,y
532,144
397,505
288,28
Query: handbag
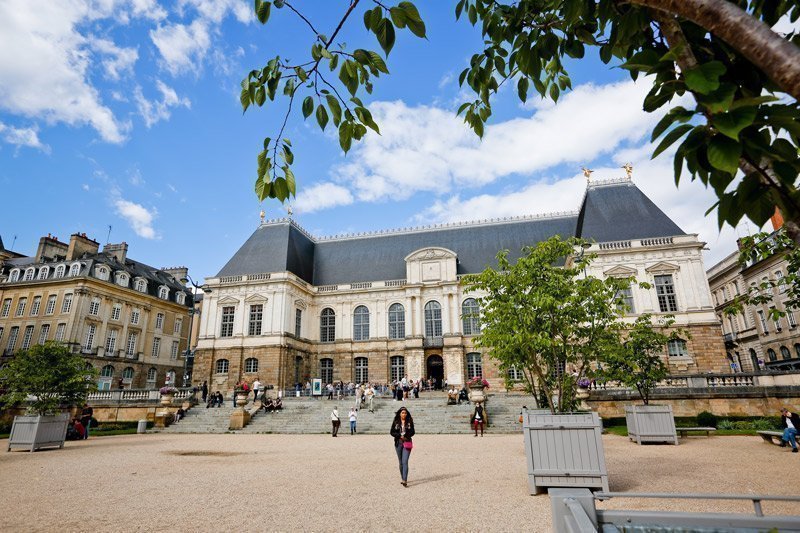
x,y
407,444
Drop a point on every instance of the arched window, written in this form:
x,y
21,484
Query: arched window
x,y
433,319
754,359
102,273
107,371
397,321
362,370
474,365
771,355
75,269
470,317
797,349
43,272
361,323
677,348
140,285
151,376
251,365
180,298
398,367
221,366
127,374
327,325
785,353
122,279
30,273
60,269
326,370
163,293
14,275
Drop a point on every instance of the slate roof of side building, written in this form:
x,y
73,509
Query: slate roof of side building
x,y
611,211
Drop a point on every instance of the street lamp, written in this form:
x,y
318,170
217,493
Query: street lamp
x,y
188,356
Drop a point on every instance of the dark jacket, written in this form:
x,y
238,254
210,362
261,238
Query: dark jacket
x,y
395,431
795,421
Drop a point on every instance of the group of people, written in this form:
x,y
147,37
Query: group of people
x,y
214,400
269,405
78,427
456,396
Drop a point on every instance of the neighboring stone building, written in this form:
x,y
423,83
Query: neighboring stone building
x,y
753,341
288,307
129,320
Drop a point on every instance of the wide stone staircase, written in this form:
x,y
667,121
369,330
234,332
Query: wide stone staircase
x,y
312,415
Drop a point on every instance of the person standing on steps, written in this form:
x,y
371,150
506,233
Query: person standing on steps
x,y
370,398
204,390
403,431
478,418
353,415
335,422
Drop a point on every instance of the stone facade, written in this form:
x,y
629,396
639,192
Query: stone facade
x,y
104,305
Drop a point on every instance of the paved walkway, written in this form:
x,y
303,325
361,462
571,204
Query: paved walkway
x,y
315,482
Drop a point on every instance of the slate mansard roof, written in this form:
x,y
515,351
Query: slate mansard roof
x,y
611,211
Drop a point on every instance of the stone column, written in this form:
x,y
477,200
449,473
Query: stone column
x,y
453,365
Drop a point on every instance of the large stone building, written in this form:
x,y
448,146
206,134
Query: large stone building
x,y
288,307
131,321
755,342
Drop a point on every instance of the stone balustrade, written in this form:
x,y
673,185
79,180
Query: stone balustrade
x,y
122,396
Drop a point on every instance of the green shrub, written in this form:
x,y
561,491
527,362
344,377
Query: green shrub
x,y
707,419
725,424
764,424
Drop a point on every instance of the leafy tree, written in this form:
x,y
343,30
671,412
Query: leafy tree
x,y
545,319
638,361
51,374
744,80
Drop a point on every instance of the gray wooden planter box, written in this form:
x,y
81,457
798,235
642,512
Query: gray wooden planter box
x,y
564,450
36,432
651,423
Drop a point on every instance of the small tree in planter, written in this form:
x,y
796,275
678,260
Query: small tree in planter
x,y
638,363
46,378
551,323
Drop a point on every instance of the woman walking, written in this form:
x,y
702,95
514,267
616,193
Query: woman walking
x,y
402,431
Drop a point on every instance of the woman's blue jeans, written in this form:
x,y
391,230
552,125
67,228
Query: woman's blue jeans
x,y
352,426
402,458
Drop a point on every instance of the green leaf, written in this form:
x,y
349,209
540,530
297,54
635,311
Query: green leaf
x,y
280,187
644,60
385,34
735,121
322,116
459,8
244,98
554,92
724,153
262,11
349,81
675,114
522,88
336,109
345,135
308,106
333,62
671,137
377,61
291,183
365,117
263,188
261,96
301,74
288,156
398,17
704,78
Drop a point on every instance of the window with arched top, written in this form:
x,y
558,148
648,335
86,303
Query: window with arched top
x,y
250,365
797,349
151,375
470,317
75,269
326,370
474,365
397,321
221,366
107,371
361,323
362,369
771,355
327,325
785,353
43,272
127,374
30,273
60,269
163,293
14,275
180,298
122,279
754,360
102,272
140,285
433,319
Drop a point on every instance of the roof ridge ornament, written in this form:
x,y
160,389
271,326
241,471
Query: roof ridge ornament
x,y
628,170
587,172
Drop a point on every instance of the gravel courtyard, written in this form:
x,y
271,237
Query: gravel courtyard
x,y
317,483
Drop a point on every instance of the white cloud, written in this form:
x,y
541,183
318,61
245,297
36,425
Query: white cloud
x,y
138,216
20,137
148,9
322,196
216,10
44,65
182,46
153,111
117,61
85,187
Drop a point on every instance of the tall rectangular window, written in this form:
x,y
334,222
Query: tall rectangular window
x,y
37,302
397,321
26,339
226,329
130,348
111,342
298,320
1,333
21,307
12,339
397,366
94,307
665,290
776,321
44,333
790,318
625,301
254,321
61,330
88,342
763,319
50,308
173,352
135,315
160,321
66,305
178,326
116,312
6,308
156,346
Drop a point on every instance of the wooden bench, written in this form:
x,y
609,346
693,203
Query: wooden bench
x,y
683,431
773,437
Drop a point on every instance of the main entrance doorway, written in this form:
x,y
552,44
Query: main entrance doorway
x,y
435,368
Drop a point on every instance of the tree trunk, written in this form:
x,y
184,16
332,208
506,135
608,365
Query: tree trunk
x,y
766,50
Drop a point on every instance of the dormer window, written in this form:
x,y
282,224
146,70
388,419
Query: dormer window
x,y
140,285
102,273
60,269
44,272
163,293
180,298
122,279
14,276
75,269
30,273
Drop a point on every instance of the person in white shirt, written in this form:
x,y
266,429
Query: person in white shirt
x,y
353,417
335,422
256,389
370,398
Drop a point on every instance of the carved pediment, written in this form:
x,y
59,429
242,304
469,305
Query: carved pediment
x,y
619,271
228,300
427,254
256,298
662,266
301,304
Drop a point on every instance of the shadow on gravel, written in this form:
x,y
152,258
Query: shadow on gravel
x,y
201,453
432,479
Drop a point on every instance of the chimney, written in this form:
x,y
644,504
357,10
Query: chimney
x,y
777,220
117,251
80,244
50,248
178,273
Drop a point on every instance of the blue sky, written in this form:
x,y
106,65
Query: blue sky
x,y
126,114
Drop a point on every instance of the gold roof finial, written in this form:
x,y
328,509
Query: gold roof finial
x,y
289,210
587,173
263,214
628,169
